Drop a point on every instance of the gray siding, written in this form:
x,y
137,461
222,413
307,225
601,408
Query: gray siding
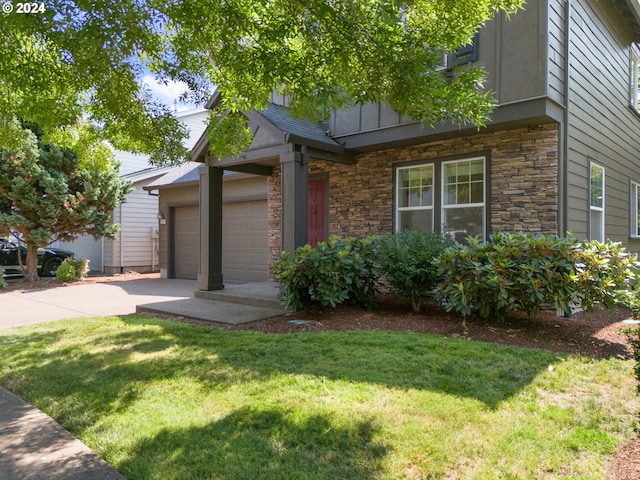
x,y
556,50
602,126
514,53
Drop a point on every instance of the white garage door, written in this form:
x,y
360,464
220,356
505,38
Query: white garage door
x,y
186,230
244,241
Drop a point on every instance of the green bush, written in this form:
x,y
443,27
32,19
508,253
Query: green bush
x,y
3,283
333,272
406,262
523,272
66,272
72,269
601,271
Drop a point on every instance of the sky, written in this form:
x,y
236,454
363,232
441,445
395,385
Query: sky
x,y
167,94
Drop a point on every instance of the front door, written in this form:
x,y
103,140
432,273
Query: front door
x,y
316,211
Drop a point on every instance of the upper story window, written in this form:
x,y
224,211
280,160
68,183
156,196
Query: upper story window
x,y
463,55
634,81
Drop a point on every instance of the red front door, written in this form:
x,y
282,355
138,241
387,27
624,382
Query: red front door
x,y
316,212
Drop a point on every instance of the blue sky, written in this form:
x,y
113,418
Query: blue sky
x,y
167,94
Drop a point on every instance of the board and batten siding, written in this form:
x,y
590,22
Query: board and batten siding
x,y
602,128
513,52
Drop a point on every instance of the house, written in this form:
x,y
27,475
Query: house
x,y
562,152
136,247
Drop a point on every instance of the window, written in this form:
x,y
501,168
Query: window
x,y
467,53
596,202
456,200
634,81
415,198
463,55
634,209
463,198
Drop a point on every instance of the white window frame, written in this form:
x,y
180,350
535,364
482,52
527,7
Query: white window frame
x,y
400,209
634,210
445,206
634,80
597,208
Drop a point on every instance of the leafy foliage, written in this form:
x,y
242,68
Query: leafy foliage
x,y
406,262
47,194
72,269
66,272
333,272
523,272
86,59
3,283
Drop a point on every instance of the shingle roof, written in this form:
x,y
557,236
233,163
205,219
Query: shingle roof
x,y
301,128
185,173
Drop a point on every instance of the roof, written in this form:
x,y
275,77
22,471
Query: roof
x,y
296,129
182,175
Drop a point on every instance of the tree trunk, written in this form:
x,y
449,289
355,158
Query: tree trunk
x,y
32,262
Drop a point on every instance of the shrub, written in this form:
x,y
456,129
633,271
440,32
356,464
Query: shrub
x,y
66,272
601,270
3,283
406,262
520,271
333,272
72,269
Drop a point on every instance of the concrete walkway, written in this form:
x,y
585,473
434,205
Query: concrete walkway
x,y
32,445
26,307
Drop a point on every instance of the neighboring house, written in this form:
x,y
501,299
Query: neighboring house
x,y
136,247
562,152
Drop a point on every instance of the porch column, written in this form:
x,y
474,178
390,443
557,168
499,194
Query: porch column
x,y
294,171
210,266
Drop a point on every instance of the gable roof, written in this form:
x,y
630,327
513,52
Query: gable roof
x,y
298,130
278,118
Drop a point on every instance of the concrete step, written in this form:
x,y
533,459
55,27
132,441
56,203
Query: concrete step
x,y
256,294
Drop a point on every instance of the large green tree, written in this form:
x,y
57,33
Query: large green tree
x,y
49,193
85,58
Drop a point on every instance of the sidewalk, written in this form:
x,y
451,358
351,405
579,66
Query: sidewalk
x,y
34,447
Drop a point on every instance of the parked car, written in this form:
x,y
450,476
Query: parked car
x,y
49,259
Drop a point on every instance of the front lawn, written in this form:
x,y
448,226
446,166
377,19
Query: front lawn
x,y
163,400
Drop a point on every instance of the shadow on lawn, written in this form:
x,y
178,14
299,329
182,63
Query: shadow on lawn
x,y
99,375
251,444
486,372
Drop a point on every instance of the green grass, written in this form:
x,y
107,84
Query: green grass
x,y
160,400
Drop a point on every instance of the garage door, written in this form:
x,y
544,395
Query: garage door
x,y
186,230
244,241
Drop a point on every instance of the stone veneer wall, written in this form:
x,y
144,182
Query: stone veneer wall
x,y
523,188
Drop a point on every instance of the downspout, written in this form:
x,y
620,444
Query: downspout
x,y
563,171
121,242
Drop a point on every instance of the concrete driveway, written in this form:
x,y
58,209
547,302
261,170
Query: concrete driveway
x,y
28,307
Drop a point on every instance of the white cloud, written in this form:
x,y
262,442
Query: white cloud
x,y
167,94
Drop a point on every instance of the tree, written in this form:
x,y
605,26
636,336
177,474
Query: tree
x,y
84,58
50,193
